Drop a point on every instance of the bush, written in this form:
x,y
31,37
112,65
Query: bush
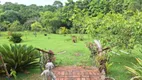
x,y
45,34
19,57
16,37
63,30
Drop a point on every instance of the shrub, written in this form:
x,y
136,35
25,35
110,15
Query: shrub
x,y
45,34
16,37
19,57
63,30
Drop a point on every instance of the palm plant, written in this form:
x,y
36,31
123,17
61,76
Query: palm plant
x,y
16,37
19,57
136,71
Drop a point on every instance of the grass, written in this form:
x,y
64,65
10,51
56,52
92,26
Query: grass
x,y
65,50
69,53
118,71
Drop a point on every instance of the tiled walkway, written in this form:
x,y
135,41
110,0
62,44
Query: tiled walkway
x,y
76,73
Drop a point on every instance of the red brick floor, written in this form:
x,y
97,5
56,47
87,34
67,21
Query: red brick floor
x,y
76,73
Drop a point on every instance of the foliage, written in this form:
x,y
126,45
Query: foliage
x,y
73,15
15,26
50,21
58,4
117,23
4,25
100,57
43,60
10,15
36,26
63,30
19,57
136,70
111,27
108,67
92,48
13,73
16,37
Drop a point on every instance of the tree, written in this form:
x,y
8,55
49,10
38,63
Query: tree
x,y
49,8
50,20
78,20
10,16
27,24
36,26
4,25
115,30
15,26
58,4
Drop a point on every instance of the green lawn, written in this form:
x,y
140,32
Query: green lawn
x,y
69,53
118,71
66,51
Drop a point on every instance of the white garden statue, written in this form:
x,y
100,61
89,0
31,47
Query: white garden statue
x,y
47,73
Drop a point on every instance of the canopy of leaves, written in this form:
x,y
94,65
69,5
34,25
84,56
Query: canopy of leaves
x,y
36,26
103,19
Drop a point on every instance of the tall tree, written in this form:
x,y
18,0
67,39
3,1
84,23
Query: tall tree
x,y
50,20
36,26
15,26
10,16
58,4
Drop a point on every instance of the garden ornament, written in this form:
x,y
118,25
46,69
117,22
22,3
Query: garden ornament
x,y
47,73
49,65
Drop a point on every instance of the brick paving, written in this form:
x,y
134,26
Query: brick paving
x,y
76,73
